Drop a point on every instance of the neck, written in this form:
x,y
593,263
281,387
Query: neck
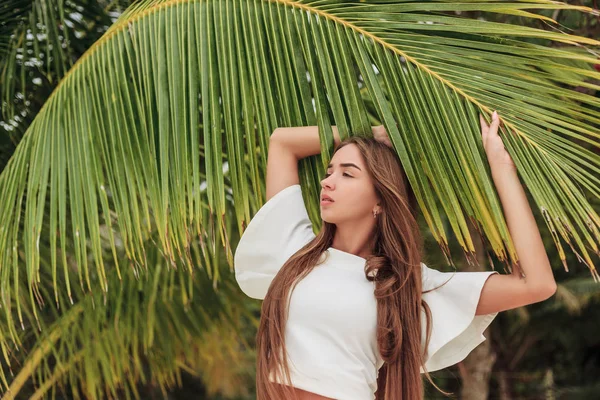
x,y
354,238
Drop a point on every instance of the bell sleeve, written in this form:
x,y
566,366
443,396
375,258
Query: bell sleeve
x,y
456,330
277,231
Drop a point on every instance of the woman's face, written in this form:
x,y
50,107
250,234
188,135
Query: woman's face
x,y
348,183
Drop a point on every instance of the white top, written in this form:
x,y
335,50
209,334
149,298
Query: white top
x,y
330,333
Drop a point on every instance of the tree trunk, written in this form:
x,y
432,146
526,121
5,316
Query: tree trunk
x,y
504,392
549,384
476,370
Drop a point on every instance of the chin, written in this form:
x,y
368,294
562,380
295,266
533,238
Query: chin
x,y
328,219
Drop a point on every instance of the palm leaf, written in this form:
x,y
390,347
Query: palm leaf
x,y
39,42
176,89
149,329
12,15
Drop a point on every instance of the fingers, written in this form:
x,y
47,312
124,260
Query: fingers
x,y
381,135
484,129
489,130
493,131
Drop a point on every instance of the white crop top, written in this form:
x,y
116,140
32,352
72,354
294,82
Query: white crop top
x,y
330,332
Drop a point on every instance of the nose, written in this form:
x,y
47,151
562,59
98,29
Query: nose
x,y
326,182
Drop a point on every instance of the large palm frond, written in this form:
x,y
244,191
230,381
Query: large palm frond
x,y
152,329
12,14
175,89
39,42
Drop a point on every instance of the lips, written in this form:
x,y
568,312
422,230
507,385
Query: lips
x,y
325,197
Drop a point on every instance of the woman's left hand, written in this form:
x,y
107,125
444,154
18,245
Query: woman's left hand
x,y
497,155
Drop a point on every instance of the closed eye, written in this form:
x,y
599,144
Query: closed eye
x,y
344,174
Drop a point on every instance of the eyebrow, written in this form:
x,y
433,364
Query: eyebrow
x,y
346,165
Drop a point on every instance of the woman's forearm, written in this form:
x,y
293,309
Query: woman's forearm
x,y
523,229
303,141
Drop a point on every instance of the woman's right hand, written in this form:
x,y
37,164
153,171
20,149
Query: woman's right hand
x,y
381,135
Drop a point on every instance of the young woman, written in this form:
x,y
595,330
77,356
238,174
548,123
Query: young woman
x,y
352,313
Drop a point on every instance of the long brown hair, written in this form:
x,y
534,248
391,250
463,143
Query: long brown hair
x,y
395,266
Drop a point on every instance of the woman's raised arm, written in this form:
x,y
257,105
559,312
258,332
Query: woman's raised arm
x,y
286,147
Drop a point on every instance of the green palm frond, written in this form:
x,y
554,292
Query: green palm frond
x,y
39,42
154,328
12,14
37,37
176,89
